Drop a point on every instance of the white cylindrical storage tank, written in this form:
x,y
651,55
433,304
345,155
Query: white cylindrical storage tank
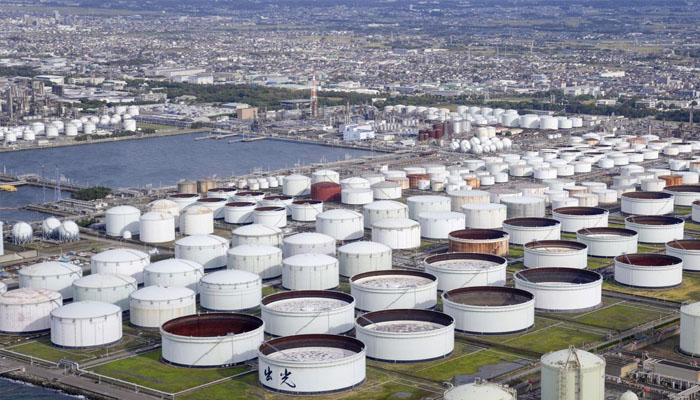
x,y
690,329
608,242
86,324
656,228
653,271
256,234
386,190
239,212
183,199
456,270
27,310
561,289
307,312
207,250
575,218
270,216
108,288
460,197
278,201
215,204
156,227
122,219
308,243
358,257
572,374
340,224
647,203
51,275
152,306
484,215
356,196
420,204
684,195
296,185
397,233
321,364
211,340
306,210
393,289
197,220
695,211
439,224
384,209
605,196
120,261
555,253
230,290
310,272
686,250
355,183
248,197
165,206
525,230
524,206
406,335
222,193
481,389
173,272
490,310
325,175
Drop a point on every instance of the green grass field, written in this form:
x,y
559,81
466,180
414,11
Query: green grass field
x,y
688,290
43,349
554,338
621,316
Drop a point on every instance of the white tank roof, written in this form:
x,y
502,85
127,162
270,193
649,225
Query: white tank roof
x,y
385,205
120,255
162,205
230,277
85,310
256,230
29,296
201,240
395,223
559,358
364,247
309,260
196,209
385,185
96,281
692,309
162,293
174,265
254,250
297,177
339,214
156,216
479,391
122,210
50,268
629,396
309,238
428,199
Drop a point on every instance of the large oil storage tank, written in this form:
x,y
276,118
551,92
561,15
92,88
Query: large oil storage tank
x,y
561,289
211,340
197,220
321,364
52,275
325,175
359,257
187,187
456,270
574,219
525,230
684,195
173,272
458,198
107,288
230,290
393,289
223,192
307,311
207,250
165,206
690,329
239,212
647,203
489,241
270,216
308,243
278,201
406,335
261,259
654,271
86,324
151,306
326,191
484,215
688,251
397,233
120,261
340,224
306,210
384,209
296,185
184,199
386,190
215,204
656,228
608,242
572,374
489,310
555,253
122,219
439,224
256,234
479,390
420,204
157,227
27,310
524,206
310,272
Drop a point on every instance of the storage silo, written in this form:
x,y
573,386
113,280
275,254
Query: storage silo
x,y
310,272
309,243
307,312
572,374
107,288
340,224
230,290
157,227
120,261
207,250
173,272
256,234
196,220
296,185
122,219
52,275
27,310
359,257
151,306
384,209
86,324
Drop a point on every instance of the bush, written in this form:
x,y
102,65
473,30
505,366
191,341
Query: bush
x,y
92,193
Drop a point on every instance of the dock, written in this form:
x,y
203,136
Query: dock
x,y
250,139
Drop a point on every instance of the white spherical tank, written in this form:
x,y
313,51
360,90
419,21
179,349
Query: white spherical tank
x,y
648,270
197,220
157,227
308,243
307,312
86,324
310,272
561,289
151,306
230,290
173,272
359,257
397,233
572,374
49,228
385,209
256,234
340,224
393,289
122,219
207,250
456,270
107,288
490,309
27,310
120,261
52,275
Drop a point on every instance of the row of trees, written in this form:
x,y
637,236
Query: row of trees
x,y
91,193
